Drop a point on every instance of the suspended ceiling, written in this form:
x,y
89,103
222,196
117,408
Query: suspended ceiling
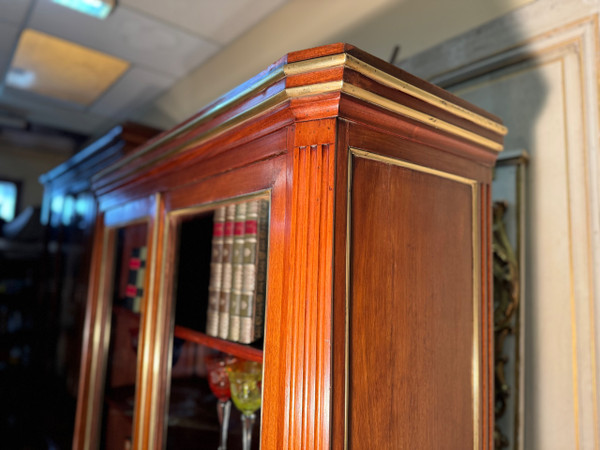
x,y
155,43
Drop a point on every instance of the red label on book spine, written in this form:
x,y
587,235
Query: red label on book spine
x,y
228,228
131,291
218,229
135,263
238,229
251,226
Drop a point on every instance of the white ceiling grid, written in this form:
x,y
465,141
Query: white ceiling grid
x,y
162,40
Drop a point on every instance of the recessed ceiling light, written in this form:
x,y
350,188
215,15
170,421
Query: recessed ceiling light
x,y
96,8
63,70
20,78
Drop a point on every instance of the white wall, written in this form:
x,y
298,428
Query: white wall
x,y
376,26
26,165
537,68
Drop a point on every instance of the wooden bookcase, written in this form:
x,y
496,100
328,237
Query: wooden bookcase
x,y
68,215
378,312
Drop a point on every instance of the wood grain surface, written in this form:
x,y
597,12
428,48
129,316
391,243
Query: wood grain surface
x,y
413,377
308,292
411,310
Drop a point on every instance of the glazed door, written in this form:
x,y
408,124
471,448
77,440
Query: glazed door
x,y
111,377
221,240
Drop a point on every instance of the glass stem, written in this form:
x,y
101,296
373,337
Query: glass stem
x,y
223,411
247,424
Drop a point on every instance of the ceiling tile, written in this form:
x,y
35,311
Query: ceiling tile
x,y
61,69
138,38
134,90
9,33
52,114
14,11
221,21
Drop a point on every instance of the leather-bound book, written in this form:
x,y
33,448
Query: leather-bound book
x,y
216,273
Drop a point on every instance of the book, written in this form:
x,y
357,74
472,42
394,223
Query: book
x,y
262,259
216,273
255,265
227,272
135,281
237,271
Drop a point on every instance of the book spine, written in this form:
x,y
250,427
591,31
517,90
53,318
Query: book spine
x,y
227,272
261,269
237,271
216,273
249,274
135,282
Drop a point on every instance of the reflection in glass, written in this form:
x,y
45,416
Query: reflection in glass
x,y
127,290
218,381
245,378
8,200
192,420
195,387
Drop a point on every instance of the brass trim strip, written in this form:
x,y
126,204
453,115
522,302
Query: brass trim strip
x,y
149,308
310,65
267,104
407,88
477,296
339,60
391,105
236,120
314,89
160,337
323,88
327,62
263,194
476,245
246,93
347,312
397,162
96,344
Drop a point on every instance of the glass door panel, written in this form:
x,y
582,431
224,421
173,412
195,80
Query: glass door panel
x,y
219,295
127,285
200,401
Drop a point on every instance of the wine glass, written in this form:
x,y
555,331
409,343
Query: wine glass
x,y
245,381
218,381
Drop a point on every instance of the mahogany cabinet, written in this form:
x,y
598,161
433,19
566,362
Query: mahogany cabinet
x,y
378,307
68,215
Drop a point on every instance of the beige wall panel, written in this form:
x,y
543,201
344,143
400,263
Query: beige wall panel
x,y
376,26
26,165
538,69
548,379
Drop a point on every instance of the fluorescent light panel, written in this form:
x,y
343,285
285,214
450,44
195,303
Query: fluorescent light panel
x,y
63,70
96,8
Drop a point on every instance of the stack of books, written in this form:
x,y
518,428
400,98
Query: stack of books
x,y
238,271
135,280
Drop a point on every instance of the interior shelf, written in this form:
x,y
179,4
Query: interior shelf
x,y
232,348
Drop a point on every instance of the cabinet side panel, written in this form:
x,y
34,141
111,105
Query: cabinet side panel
x,y
411,363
